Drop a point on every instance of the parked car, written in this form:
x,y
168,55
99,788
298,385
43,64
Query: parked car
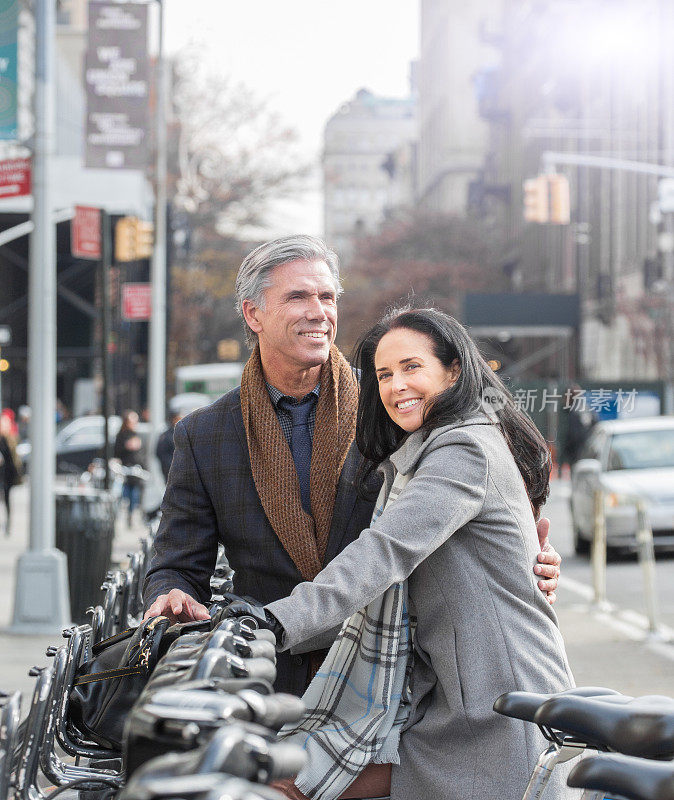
x,y
80,441
627,459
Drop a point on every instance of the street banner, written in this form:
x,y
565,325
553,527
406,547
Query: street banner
x,y
85,233
15,177
9,18
136,301
116,76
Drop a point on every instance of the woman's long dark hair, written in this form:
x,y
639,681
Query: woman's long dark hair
x,y
377,436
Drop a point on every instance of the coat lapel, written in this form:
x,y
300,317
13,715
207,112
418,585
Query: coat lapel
x,y
344,503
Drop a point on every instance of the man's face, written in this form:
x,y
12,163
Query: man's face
x,y
299,320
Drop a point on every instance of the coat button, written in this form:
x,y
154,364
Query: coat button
x,y
299,660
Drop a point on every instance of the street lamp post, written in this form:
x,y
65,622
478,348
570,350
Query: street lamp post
x,y
41,594
157,344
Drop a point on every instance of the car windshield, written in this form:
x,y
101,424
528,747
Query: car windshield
x,y
642,450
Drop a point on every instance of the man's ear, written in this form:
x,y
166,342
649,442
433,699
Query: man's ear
x,y
250,314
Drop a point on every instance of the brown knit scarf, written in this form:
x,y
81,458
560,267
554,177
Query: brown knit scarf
x,y
303,536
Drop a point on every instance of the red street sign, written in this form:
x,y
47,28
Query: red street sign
x,y
85,233
136,301
15,177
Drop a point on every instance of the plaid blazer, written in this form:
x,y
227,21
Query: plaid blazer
x,y
211,497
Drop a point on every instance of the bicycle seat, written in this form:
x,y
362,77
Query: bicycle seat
x,y
642,727
523,705
629,777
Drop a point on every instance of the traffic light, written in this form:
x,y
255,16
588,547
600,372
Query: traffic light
x,y
547,199
560,202
134,239
144,239
536,205
125,239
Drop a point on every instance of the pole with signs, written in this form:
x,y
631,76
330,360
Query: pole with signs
x,y
157,347
9,24
106,258
41,601
90,239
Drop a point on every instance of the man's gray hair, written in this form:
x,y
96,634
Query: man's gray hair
x,y
254,274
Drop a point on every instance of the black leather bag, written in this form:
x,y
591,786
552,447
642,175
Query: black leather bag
x,y
106,687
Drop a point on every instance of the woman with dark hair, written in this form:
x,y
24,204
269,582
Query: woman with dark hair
x,y
444,574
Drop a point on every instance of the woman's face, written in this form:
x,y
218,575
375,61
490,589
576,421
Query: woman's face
x,y
410,375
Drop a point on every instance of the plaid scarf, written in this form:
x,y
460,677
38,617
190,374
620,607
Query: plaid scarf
x,y
357,702
304,537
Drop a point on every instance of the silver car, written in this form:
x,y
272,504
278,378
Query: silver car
x,y
626,458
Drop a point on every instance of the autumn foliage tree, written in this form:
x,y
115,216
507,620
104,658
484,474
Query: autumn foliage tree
x,y
428,259
230,155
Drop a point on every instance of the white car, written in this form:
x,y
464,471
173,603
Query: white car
x,y
626,458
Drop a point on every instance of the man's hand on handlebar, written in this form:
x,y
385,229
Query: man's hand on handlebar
x,y
548,568
178,606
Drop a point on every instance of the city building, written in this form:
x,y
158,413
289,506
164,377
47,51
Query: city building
x,y
368,158
452,134
118,191
590,81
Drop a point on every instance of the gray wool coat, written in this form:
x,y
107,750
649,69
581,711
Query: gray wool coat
x,y
463,533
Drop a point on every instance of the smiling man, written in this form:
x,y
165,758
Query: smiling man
x,y
269,469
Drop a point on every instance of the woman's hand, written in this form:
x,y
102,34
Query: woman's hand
x,y
549,560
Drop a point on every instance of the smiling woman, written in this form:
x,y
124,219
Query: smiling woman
x,y
445,562
410,375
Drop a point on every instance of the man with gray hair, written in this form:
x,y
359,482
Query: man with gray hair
x,y
269,470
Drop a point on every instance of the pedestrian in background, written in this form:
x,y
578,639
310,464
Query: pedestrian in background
x,y
11,421
23,423
128,449
10,465
579,422
166,445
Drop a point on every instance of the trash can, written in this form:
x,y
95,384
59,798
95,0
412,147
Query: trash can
x,y
85,528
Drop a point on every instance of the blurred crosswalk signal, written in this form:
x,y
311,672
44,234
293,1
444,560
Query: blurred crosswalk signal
x,y
560,200
229,350
536,201
144,239
125,239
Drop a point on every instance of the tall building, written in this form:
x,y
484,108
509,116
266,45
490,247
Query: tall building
x,y
367,165
590,80
452,134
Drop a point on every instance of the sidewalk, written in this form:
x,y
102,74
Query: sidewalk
x,y
601,654
19,653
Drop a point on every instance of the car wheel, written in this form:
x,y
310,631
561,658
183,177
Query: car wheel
x,y
581,546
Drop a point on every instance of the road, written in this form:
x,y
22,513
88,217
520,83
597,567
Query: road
x,y
624,582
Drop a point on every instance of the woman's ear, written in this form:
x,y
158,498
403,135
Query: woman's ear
x,y
454,372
